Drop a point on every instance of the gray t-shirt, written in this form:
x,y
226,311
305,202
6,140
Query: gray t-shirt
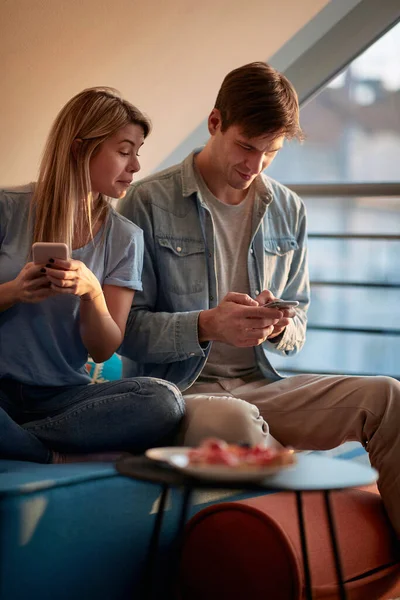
x,y
233,232
40,344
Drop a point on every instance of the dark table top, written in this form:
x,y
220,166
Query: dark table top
x,y
311,473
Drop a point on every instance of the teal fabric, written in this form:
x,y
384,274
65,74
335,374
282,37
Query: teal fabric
x,y
77,531
73,531
111,370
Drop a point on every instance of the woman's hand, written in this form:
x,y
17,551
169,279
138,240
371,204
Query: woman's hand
x,y
31,285
102,319
72,277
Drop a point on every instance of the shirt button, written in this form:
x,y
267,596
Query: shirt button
x,y
209,254
191,354
211,297
251,251
257,292
278,247
179,249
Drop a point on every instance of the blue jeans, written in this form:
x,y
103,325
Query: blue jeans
x,y
126,415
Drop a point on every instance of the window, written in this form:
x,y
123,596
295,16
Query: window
x,y
353,125
353,136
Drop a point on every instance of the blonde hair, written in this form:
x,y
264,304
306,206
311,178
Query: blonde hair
x,y
91,116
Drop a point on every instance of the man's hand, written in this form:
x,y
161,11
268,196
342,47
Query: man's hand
x,y
238,321
287,313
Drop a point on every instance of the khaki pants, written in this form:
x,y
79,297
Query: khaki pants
x,y
307,412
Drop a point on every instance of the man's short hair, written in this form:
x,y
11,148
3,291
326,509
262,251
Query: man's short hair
x,y
260,100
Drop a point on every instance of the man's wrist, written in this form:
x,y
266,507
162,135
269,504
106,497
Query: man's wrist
x,y
204,322
277,338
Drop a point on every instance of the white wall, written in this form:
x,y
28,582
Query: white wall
x,y
167,56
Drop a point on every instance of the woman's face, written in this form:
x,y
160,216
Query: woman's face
x,y
113,165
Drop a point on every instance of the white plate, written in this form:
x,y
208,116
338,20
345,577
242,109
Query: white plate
x,y
178,457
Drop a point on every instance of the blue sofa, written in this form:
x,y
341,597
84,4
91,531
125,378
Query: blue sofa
x,y
77,531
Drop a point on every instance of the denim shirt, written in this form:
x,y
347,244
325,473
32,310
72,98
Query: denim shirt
x,y
179,278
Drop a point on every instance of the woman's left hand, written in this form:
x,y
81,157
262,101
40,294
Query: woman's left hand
x,y
73,277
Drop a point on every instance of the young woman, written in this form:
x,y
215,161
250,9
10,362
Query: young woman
x,y
53,315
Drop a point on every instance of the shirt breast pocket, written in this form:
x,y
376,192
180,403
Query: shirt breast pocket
x,y
182,265
278,256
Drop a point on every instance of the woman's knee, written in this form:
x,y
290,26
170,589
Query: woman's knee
x,y
227,418
165,396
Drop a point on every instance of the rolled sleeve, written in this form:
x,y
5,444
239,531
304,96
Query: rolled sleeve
x,y
127,272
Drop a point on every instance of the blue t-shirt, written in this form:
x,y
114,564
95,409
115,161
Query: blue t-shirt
x,y
40,344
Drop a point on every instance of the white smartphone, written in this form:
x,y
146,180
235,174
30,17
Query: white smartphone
x,y
281,304
43,251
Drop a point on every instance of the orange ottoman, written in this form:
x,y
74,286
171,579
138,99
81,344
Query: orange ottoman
x,y
250,549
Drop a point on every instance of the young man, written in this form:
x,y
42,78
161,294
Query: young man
x,y
221,240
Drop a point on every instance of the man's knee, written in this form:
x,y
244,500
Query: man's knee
x,y
384,387
227,418
379,394
389,383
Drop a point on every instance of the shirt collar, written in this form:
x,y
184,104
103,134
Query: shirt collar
x,y
189,183
262,184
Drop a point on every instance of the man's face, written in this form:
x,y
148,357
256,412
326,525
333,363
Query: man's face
x,y
240,159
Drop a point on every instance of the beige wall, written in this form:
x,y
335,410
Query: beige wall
x,y
166,56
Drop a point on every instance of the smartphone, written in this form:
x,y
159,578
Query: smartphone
x,y
281,304
43,251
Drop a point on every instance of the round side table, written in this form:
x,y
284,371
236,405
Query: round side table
x,y
311,473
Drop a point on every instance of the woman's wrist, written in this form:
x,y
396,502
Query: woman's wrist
x,y
8,294
13,291
90,296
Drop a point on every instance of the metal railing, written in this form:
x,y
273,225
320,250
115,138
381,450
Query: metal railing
x,y
329,190
371,190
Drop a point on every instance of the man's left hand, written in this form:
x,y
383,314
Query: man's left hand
x,y
287,313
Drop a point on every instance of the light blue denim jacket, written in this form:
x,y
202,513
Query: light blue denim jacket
x,y
179,278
